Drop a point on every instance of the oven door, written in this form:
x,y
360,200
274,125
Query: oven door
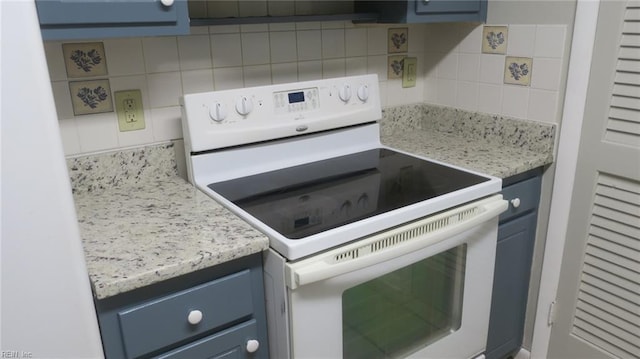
x,y
420,290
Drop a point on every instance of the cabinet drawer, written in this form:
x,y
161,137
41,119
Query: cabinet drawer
x,y
522,196
162,322
230,343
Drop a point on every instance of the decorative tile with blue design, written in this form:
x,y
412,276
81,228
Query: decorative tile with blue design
x,y
517,70
89,97
85,59
395,66
494,39
398,40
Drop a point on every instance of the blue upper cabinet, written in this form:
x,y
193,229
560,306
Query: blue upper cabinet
x,y
90,19
420,11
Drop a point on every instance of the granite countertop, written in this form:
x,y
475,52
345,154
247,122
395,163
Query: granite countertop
x,y
490,144
143,224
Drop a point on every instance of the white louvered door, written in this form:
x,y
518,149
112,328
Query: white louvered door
x,y
598,301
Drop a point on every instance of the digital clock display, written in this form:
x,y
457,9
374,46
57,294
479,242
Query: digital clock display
x,y
295,97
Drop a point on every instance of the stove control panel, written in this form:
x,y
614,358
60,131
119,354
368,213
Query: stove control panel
x,y
219,119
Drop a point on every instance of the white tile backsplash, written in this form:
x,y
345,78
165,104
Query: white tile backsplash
x,y
309,45
452,71
448,66
490,98
542,105
550,41
195,81
309,70
546,73
227,78
333,68
356,42
194,52
469,67
166,123
283,46
377,40
284,73
333,43
57,71
467,96
226,50
164,89
521,40
478,79
255,48
124,57
257,75
160,54
356,66
491,68
515,101
97,132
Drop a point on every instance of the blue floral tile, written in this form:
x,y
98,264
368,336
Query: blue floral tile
x,y
517,70
89,97
494,39
85,59
398,40
395,66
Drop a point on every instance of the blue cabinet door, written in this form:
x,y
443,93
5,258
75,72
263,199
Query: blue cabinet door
x,y
423,11
511,285
86,19
446,6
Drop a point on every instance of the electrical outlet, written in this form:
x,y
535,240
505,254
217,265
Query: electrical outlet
x,y
409,72
129,109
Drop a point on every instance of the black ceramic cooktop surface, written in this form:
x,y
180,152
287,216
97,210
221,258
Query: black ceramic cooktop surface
x,y
307,199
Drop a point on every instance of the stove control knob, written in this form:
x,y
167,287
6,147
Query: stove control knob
x,y
217,112
244,106
363,93
252,345
345,93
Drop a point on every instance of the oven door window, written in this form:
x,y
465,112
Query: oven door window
x,y
405,310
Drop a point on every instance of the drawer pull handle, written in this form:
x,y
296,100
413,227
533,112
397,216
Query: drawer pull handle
x,y
195,317
515,202
167,3
252,345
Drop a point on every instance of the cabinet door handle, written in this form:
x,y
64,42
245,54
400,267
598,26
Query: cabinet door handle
x,y
167,3
194,317
252,345
515,202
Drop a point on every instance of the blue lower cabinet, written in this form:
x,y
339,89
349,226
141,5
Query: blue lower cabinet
x,y
514,252
91,19
214,313
231,343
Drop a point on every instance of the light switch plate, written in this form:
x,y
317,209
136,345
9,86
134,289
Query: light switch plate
x,y
129,110
409,72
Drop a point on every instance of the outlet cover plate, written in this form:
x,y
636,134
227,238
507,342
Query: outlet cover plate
x,y
129,110
409,72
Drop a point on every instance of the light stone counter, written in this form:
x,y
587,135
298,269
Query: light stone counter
x,y
141,224
490,144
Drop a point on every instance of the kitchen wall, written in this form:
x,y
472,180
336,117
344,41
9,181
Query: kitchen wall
x,y
458,74
453,71
223,57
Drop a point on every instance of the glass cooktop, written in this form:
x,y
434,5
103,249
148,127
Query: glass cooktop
x,y
304,200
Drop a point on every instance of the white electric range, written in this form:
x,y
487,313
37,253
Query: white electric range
x,y
303,163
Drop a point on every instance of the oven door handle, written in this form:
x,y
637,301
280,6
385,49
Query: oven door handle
x,y
360,254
